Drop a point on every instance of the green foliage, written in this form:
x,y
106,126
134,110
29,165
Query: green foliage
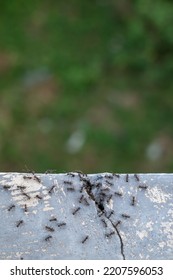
x,y
102,67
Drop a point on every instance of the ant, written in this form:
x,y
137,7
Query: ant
x,y
118,223
21,188
19,223
11,207
81,198
108,176
51,189
61,224
76,210
25,194
136,177
53,219
110,234
70,174
133,201
26,209
38,196
27,177
85,239
116,175
48,237
37,178
109,183
142,187
6,187
118,193
112,212
70,189
109,198
49,228
125,216
68,182
104,223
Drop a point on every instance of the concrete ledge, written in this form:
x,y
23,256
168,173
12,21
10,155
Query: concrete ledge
x,y
79,216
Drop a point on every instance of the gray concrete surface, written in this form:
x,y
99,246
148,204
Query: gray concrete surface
x,y
78,216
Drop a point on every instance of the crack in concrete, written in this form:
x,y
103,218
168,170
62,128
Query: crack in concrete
x,y
88,187
119,235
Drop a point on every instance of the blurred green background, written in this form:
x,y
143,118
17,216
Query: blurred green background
x,y
86,85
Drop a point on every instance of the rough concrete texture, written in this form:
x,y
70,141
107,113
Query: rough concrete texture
x,y
79,216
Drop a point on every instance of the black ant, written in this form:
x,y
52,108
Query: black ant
x,y
68,182
108,176
118,193
11,207
27,177
85,239
125,216
116,175
21,188
104,223
49,228
61,224
109,183
110,234
81,198
26,209
51,189
48,238
19,223
82,188
38,196
6,187
110,214
70,189
118,223
36,178
70,174
127,178
142,187
109,198
136,177
133,201
53,219
25,194
76,210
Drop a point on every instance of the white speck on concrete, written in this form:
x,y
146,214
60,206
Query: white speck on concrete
x,y
156,195
142,234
